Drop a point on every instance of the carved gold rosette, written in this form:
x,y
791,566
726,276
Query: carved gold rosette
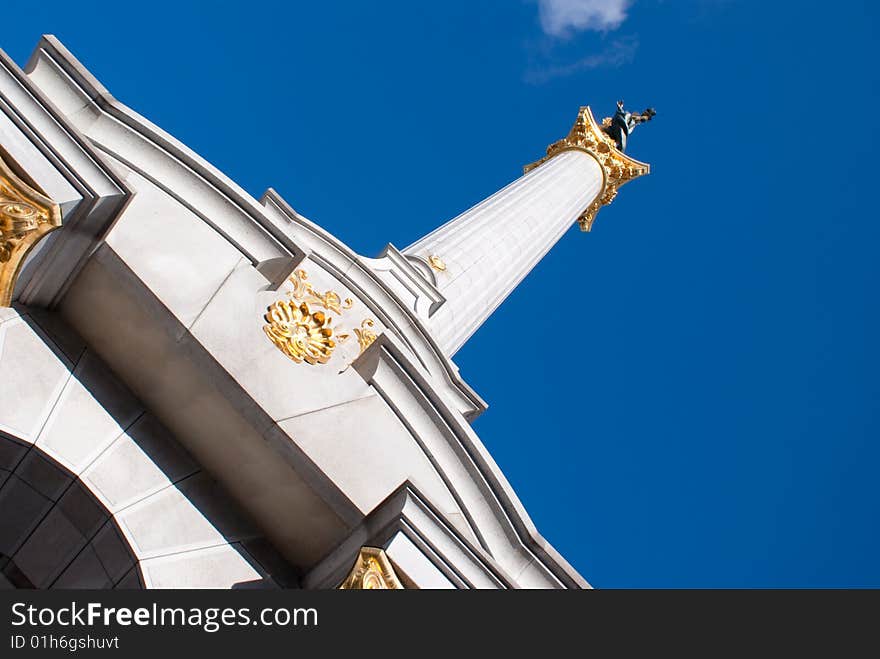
x,y
299,332
372,571
26,215
304,333
617,168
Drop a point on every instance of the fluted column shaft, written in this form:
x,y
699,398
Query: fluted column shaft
x,y
490,248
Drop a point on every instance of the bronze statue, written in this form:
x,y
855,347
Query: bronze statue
x,y
622,124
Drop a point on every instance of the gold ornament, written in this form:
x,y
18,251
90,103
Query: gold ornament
x,y
437,263
305,335
26,216
302,290
300,333
365,335
586,135
372,571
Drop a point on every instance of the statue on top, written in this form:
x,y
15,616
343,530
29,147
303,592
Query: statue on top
x,y
623,123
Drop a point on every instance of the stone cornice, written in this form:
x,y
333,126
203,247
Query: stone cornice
x,y
388,367
56,157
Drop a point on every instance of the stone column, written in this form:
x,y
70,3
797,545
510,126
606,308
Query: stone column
x,y
479,257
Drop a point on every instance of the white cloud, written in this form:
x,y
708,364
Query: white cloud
x,y
561,17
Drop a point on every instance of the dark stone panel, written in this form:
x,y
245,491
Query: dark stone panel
x,y
83,510
11,452
86,571
21,510
131,581
39,472
112,551
49,549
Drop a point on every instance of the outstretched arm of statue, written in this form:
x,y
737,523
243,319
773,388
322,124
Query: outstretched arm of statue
x,y
647,115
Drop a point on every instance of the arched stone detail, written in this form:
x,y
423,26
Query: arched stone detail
x,y
54,533
95,492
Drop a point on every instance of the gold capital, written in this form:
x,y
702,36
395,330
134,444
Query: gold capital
x,y
586,135
372,571
26,215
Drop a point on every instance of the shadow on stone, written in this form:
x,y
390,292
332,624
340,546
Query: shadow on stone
x,y
55,532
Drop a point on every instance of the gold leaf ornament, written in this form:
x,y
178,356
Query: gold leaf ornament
x,y
437,263
17,220
372,571
365,334
617,168
300,333
303,290
305,335
26,216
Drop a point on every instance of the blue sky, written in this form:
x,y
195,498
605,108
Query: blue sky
x,y
698,406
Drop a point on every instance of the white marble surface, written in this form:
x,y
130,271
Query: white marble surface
x,y
212,567
365,448
411,561
33,377
104,487
491,247
92,411
182,259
